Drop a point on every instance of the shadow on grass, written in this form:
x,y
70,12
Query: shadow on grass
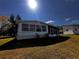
x,y
33,42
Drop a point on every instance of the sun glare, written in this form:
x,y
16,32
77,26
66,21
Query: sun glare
x,y
32,4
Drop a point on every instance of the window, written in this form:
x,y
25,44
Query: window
x,y
32,27
78,26
25,27
38,28
43,28
52,31
75,29
67,30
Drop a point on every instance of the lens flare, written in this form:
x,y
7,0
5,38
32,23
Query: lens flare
x,y
32,4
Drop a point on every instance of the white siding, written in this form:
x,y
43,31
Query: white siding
x,y
71,29
28,34
68,32
77,30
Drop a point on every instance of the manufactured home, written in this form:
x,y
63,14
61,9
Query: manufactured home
x,y
71,29
35,29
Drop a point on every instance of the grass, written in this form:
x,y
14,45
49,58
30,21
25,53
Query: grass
x,y
64,50
4,41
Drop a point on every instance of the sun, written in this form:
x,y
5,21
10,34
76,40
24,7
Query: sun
x,y
32,4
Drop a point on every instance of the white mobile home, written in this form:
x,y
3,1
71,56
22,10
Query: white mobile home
x,y
29,29
33,29
71,29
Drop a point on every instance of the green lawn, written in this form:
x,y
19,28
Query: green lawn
x,y
4,41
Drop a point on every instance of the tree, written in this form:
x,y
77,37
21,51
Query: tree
x,y
13,25
12,19
17,19
12,31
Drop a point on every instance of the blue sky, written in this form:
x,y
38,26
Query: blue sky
x,y
58,11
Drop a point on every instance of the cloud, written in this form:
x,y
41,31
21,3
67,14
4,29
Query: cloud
x,y
67,19
50,21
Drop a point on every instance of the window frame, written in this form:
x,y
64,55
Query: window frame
x,y
43,28
32,27
38,28
25,27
